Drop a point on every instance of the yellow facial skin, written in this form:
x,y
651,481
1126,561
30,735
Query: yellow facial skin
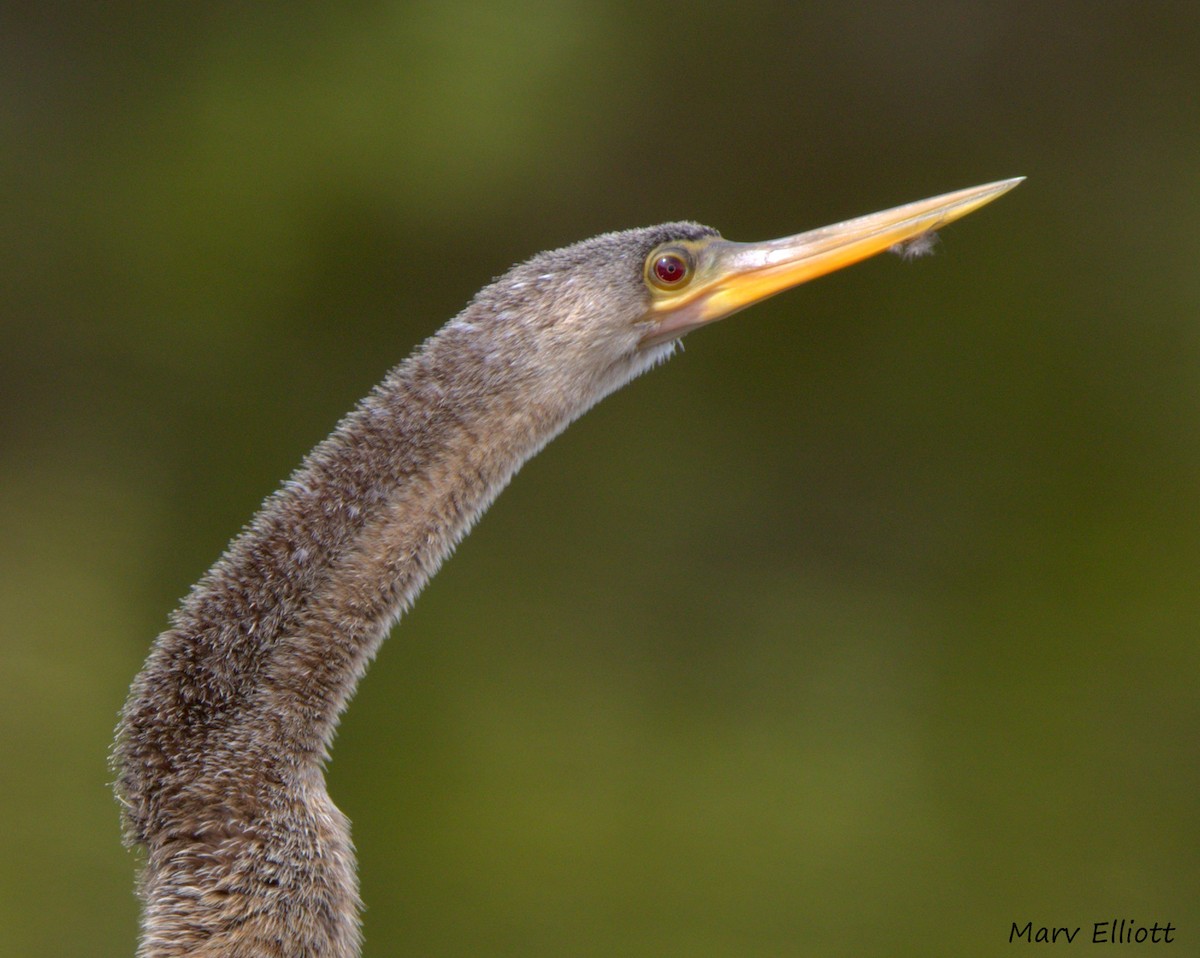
x,y
696,283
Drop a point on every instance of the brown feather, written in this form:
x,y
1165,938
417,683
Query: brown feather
x,y
221,744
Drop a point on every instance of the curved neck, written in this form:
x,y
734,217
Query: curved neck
x,y
284,624
220,748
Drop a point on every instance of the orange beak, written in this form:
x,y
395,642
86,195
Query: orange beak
x,y
731,276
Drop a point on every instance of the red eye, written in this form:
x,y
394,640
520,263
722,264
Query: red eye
x,y
670,269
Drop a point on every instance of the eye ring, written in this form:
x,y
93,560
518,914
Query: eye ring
x,y
669,268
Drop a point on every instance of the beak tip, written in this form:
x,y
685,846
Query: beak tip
x,y
1003,186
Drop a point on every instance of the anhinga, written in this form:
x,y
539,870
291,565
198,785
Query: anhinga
x,y
221,746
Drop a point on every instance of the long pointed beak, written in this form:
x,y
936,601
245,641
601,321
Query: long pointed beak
x,y
731,276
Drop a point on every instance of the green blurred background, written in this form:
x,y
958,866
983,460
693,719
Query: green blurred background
x,y
868,626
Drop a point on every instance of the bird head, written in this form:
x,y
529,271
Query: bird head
x,y
604,310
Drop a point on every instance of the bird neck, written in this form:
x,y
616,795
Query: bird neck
x,y
274,638
222,739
